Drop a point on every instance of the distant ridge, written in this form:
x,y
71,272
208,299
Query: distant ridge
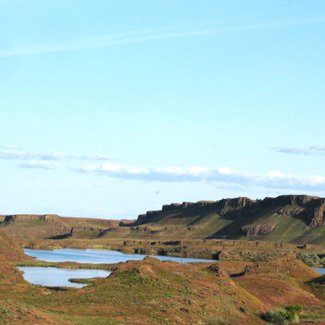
x,y
311,208
287,218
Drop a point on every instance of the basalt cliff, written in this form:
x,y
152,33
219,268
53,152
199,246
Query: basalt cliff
x,y
298,219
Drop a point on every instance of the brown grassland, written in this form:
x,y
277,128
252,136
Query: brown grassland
x,y
155,292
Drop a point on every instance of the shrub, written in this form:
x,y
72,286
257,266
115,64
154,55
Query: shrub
x,y
283,315
275,316
310,259
4,313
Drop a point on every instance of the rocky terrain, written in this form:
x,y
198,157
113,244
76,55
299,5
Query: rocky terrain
x,y
287,218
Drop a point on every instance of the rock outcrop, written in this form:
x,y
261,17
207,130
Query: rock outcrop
x,y
310,208
319,217
258,230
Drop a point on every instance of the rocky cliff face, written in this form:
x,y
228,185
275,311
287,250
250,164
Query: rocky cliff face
x,y
294,215
288,200
222,207
310,208
318,219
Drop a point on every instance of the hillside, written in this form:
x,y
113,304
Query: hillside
x,y
13,286
27,226
298,219
288,219
166,292
163,292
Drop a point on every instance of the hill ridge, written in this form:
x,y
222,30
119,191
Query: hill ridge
x,y
298,219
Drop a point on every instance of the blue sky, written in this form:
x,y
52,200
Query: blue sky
x,y
112,108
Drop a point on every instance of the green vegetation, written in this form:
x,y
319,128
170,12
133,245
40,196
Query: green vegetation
x,y
311,259
283,315
4,313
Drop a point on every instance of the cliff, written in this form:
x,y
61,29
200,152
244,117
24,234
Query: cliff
x,y
296,219
311,207
286,218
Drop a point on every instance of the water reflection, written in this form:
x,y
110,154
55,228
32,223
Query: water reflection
x,y
52,276
95,256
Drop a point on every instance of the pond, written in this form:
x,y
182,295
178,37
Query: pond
x,y
96,256
320,270
51,276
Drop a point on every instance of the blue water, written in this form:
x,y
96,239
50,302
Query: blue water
x,y
52,276
320,270
96,256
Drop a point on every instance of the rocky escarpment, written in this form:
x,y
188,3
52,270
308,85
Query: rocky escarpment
x,y
318,219
221,207
286,218
309,208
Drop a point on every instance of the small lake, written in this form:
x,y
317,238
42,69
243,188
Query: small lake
x,y
96,256
320,270
53,276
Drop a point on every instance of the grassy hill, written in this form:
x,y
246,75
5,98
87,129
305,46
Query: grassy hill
x,y
13,286
156,292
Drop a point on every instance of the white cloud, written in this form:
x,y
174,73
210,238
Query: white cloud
x,y
197,170
42,164
275,174
224,170
16,153
271,180
313,150
221,175
148,173
112,167
12,154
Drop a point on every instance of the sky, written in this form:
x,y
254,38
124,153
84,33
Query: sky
x,y
112,108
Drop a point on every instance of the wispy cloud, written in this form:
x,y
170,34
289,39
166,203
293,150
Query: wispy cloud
x,y
313,150
18,154
41,164
163,174
272,179
149,36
